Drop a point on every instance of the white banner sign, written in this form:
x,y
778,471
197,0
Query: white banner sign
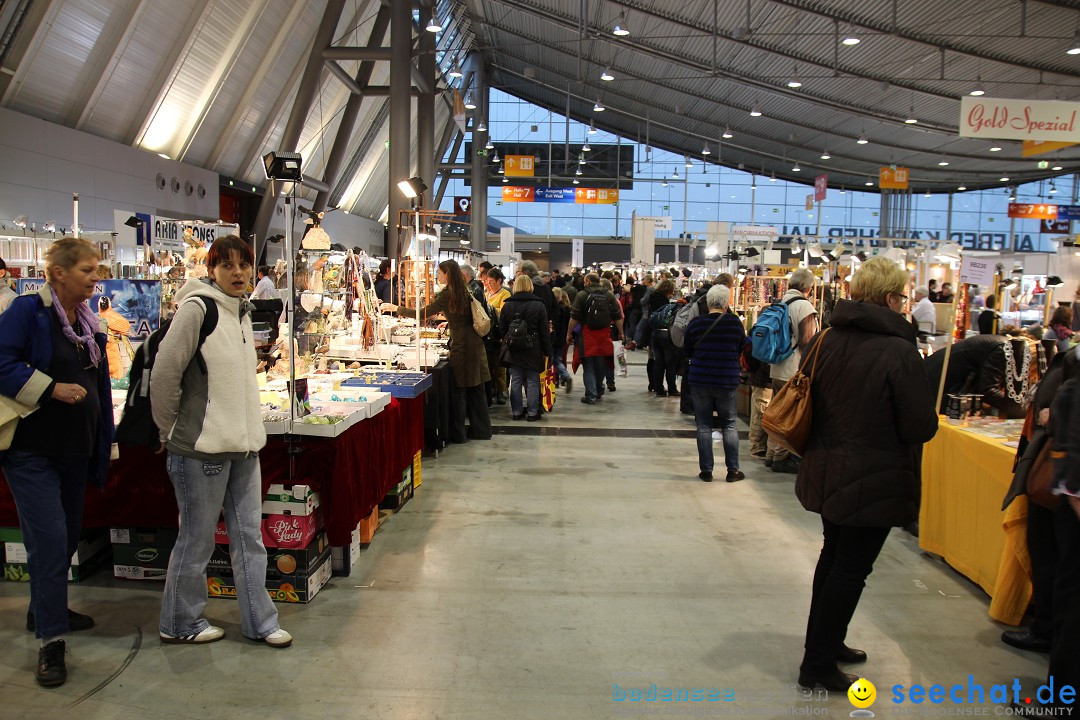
x,y
660,222
577,252
506,240
977,271
170,233
754,233
982,117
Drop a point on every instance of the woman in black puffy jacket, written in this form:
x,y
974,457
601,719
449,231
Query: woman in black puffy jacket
x,y
526,343
872,411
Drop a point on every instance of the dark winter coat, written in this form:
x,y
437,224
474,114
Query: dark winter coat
x,y
467,357
965,362
544,294
872,411
532,311
993,378
561,321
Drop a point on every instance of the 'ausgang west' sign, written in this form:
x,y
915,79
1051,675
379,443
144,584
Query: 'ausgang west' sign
x,y
982,117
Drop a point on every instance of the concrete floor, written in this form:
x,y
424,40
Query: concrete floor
x,y
527,576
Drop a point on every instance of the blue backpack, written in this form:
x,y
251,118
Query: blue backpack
x,y
771,335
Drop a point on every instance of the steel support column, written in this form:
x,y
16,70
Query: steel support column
x,y
352,109
479,162
425,105
444,176
305,94
400,116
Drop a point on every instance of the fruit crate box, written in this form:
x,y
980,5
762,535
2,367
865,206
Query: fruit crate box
x,y
343,558
92,553
282,564
290,500
284,531
299,589
142,553
400,494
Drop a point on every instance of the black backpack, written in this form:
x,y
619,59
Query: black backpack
x,y
518,336
137,423
597,310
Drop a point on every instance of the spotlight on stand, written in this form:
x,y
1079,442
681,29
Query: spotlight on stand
x,y
949,251
133,222
282,166
1054,281
752,252
413,187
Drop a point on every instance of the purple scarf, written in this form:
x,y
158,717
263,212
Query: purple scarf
x,y
87,319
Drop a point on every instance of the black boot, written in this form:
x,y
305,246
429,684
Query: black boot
x,y
51,669
76,621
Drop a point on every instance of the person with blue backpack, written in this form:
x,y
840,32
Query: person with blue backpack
x,y
663,354
782,332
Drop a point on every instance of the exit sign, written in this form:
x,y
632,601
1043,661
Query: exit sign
x,y
1043,164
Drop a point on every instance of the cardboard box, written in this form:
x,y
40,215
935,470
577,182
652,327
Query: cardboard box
x,y
92,553
343,558
286,531
280,562
148,537
416,470
286,588
369,525
400,495
290,500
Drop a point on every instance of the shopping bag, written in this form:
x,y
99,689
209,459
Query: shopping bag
x,y
547,386
620,358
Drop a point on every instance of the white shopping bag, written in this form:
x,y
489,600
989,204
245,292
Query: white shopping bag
x,y
620,358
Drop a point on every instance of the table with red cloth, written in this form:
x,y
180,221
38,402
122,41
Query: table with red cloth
x,y
351,472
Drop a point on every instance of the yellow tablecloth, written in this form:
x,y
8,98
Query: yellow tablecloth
x,y
965,478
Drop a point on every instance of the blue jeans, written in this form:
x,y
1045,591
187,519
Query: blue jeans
x,y
531,380
48,493
557,357
202,488
708,399
594,376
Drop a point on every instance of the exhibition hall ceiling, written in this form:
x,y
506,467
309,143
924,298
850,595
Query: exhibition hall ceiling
x,y
212,82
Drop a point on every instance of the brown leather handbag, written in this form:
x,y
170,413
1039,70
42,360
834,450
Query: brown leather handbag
x,y
787,419
1040,478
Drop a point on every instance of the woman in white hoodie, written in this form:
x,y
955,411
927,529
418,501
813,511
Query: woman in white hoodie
x,y
205,403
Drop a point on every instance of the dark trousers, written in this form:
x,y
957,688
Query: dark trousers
x,y
48,494
666,362
1043,549
847,557
1064,658
470,402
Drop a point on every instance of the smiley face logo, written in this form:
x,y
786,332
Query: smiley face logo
x,y
862,693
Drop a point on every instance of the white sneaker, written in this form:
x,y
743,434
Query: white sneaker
x,y
208,635
278,639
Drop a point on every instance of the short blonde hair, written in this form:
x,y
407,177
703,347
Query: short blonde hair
x,y
68,251
523,283
877,277
561,298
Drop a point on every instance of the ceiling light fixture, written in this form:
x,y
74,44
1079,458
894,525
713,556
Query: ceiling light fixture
x,y
927,194
850,40
825,155
1053,189
1074,45
727,134
592,128
581,159
753,182
978,90
664,183
1004,179
755,111
455,71
578,170
163,155
995,149
606,76
772,177
490,145
1056,168
495,158
869,183
910,119
434,25
480,127
689,163
470,102
962,188
706,151
598,107
576,181
585,147
943,163
794,82
796,168
675,174
862,140
619,28
506,179
843,190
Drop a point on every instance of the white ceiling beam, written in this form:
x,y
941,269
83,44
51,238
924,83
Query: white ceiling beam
x,y
107,52
228,57
280,106
270,57
17,64
200,10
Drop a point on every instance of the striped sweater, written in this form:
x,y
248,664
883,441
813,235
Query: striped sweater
x,y
714,357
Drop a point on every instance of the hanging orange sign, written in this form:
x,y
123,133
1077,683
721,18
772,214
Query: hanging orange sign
x,y
605,196
519,165
893,178
1038,147
1033,211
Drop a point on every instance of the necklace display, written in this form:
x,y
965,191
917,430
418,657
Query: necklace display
x,y
1012,376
